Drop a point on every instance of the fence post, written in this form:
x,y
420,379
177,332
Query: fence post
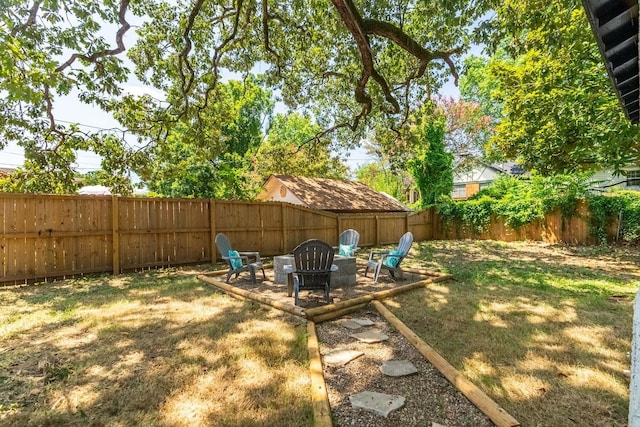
x,y
283,211
339,227
115,229
212,226
377,230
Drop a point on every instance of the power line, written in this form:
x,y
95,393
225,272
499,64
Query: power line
x,y
92,126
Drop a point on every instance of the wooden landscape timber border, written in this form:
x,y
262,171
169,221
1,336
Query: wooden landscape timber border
x,y
320,398
319,395
325,311
490,408
289,308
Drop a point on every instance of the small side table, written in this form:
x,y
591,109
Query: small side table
x,y
279,262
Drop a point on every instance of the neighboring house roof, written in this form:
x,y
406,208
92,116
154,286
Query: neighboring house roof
x,y
615,26
6,171
485,172
512,168
95,190
328,194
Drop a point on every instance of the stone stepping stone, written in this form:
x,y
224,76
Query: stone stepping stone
x,y
398,368
370,337
362,321
340,356
379,403
350,324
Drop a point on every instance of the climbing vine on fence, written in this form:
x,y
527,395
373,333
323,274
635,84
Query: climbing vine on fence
x,y
622,206
522,201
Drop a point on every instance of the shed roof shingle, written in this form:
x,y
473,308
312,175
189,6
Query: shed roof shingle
x,y
337,195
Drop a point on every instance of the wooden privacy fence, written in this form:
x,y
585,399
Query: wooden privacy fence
x,y
50,236
552,229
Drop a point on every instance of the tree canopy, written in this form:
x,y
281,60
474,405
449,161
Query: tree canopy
x,y
354,68
281,153
348,64
547,88
213,165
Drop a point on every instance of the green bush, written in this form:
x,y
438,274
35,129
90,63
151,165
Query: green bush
x,y
522,201
606,209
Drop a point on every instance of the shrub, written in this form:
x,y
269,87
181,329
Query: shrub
x,y
522,201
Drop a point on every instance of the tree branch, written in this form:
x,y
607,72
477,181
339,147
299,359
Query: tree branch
x,y
217,56
406,42
354,23
33,12
183,56
265,32
124,27
361,29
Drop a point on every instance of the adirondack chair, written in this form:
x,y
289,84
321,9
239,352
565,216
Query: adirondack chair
x,y
389,260
348,242
312,267
238,261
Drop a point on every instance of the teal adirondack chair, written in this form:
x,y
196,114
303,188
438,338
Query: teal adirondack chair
x,y
389,260
238,261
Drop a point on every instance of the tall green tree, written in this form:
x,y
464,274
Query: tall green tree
x,y
350,64
216,163
478,87
291,149
559,112
468,128
431,166
420,149
380,177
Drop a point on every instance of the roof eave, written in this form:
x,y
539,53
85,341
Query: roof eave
x,y
621,31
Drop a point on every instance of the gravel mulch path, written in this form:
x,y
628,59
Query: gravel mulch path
x,y
429,396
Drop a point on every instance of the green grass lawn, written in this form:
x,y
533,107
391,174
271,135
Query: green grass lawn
x,y
543,330
155,348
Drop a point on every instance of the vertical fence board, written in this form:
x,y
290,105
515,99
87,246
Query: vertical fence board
x,y
4,205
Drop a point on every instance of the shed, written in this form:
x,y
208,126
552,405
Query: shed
x,y
332,195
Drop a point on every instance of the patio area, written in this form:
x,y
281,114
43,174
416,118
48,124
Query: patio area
x,y
268,287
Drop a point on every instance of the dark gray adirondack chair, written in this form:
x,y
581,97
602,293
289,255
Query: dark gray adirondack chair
x,y
238,261
312,267
389,260
349,237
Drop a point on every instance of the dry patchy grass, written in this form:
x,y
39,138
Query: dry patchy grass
x,y
544,330
157,348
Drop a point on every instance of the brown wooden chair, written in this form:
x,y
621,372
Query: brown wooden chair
x,y
312,267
